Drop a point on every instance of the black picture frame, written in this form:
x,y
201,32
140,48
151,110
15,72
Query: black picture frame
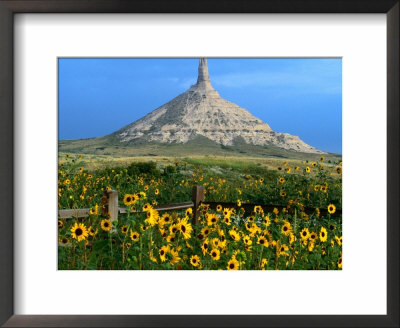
x,y
10,7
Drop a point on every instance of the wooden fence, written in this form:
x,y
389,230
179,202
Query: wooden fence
x,y
197,198
113,209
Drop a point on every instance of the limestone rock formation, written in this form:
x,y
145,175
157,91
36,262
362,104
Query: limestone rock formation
x,y
201,111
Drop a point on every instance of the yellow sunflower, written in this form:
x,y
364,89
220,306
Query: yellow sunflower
x,y
91,231
211,219
219,208
234,235
134,236
233,264
266,221
283,249
262,241
304,234
331,208
215,254
94,210
264,262
163,252
147,207
205,247
286,229
338,240
165,219
106,224
227,220
124,229
171,238
175,257
258,209
205,231
313,236
128,199
215,242
323,235
152,217
227,212
195,260
185,228
79,232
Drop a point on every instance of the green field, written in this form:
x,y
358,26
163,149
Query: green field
x,y
199,146
235,236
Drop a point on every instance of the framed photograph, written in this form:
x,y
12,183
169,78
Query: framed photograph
x,y
245,151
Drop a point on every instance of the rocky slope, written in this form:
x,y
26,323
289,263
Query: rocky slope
x,y
201,111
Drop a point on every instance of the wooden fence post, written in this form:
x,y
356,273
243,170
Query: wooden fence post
x,y
112,196
197,198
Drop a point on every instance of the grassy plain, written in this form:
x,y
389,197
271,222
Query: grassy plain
x,y
92,162
230,237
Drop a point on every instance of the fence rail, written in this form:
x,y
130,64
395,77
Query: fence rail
x,y
114,210
197,199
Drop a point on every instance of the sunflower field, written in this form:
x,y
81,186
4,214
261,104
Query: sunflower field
x,y
234,237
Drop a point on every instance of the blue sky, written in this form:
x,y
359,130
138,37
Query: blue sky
x,y
303,97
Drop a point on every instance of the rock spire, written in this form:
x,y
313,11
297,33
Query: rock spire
x,y
203,79
201,111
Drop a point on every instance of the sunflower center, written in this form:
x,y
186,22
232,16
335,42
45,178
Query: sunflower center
x,y
285,228
162,252
323,234
194,260
231,266
261,241
183,228
78,232
106,224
